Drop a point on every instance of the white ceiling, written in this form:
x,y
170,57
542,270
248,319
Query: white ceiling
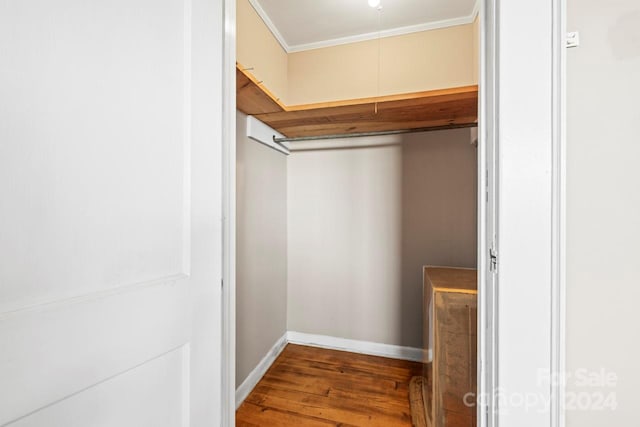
x,y
307,24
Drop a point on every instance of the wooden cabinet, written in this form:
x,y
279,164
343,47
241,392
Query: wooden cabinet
x,y
450,316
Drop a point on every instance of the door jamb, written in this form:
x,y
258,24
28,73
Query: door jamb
x,y
228,168
559,217
556,334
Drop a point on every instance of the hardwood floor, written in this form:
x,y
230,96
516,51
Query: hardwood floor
x,y
315,387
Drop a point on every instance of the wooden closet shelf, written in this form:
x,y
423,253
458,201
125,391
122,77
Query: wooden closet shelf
x,y
453,107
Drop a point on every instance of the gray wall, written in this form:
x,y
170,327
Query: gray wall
x,y
603,203
362,223
261,299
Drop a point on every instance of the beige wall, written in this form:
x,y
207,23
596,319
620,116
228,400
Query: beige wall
x,y
261,255
415,62
257,48
427,60
603,203
476,49
362,223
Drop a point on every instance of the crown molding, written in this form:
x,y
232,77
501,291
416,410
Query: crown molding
x,y
476,10
270,25
434,25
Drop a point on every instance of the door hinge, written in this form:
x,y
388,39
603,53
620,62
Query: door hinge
x,y
493,260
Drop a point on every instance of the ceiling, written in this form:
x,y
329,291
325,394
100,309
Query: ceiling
x,y
308,24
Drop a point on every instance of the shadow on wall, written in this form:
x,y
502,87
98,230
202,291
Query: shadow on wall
x,y
439,180
364,216
261,250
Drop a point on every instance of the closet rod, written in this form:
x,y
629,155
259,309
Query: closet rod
x,y
378,133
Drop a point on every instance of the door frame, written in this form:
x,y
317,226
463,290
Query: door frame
x,y
506,373
548,335
228,168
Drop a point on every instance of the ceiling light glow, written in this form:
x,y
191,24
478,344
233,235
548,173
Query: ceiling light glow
x,y
374,3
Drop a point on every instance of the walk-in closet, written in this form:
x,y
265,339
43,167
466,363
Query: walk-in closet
x,y
356,199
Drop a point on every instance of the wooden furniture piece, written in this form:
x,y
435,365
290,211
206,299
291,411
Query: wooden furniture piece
x,y
436,109
450,301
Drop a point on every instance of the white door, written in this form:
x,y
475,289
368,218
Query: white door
x,y
110,212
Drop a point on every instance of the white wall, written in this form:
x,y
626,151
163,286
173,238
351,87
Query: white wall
x,y
362,223
261,282
603,203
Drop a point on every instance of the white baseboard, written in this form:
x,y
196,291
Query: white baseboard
x,y
363,347
258,372
322,341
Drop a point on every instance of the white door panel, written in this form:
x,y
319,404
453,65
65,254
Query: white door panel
x,y
110,212
152,394
93,139
52,352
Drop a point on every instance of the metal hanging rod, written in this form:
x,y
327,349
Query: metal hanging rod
x,y
379,133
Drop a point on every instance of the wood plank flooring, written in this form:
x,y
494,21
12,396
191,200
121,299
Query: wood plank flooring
x,y
316,387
